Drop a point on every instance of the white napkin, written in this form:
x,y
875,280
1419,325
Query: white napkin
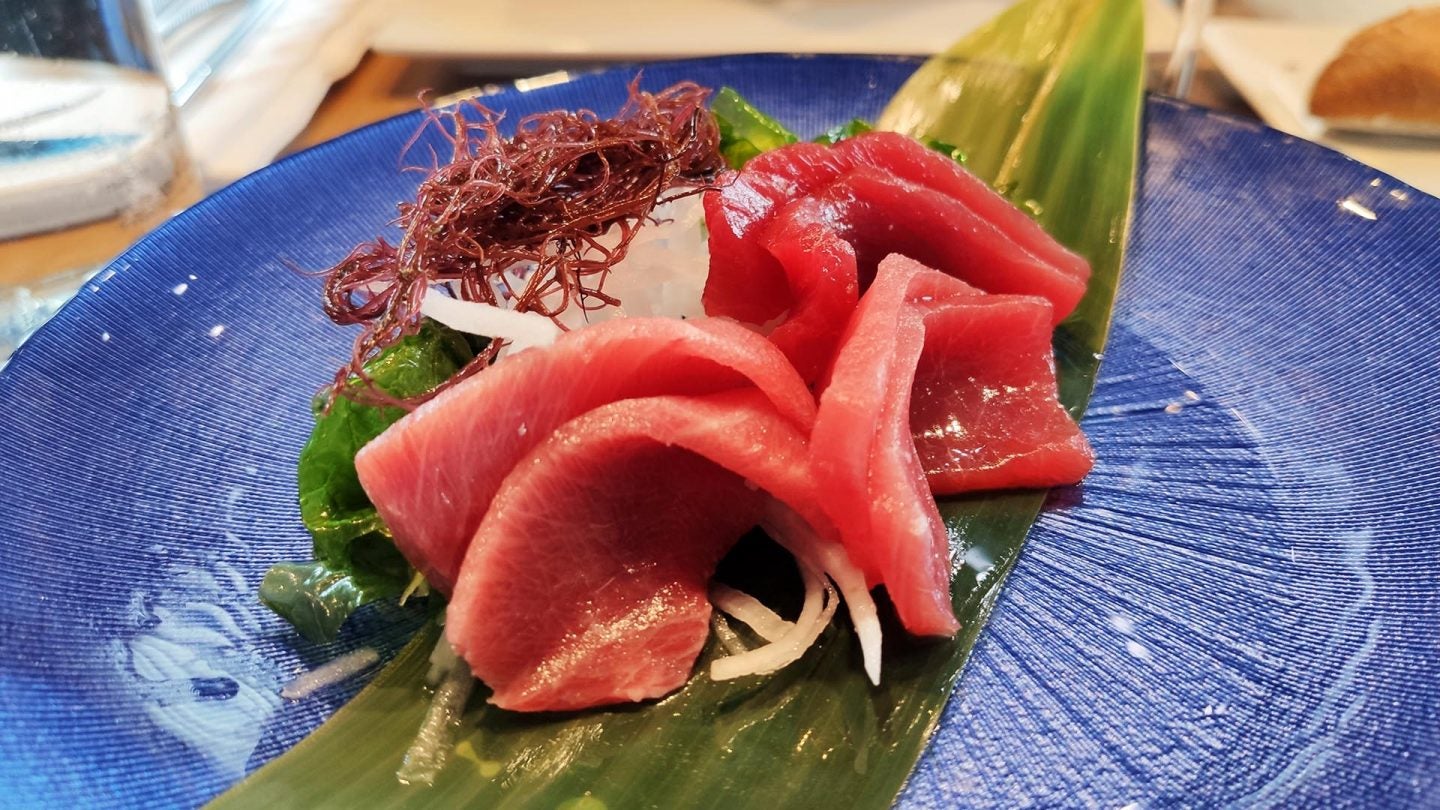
x,y
266,92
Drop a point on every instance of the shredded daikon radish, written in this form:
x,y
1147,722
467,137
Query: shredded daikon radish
x,y
728,638
521,330
747,609
665,268
431,748
416,587
341,669
443,659
820,603
821,562
799,538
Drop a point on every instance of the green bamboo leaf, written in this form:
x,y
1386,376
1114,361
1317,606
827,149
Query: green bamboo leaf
x,y
1044,102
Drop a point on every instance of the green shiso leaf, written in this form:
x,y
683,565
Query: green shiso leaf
x,y
1045,104
355,560
849,129
859,126
745,131
313,598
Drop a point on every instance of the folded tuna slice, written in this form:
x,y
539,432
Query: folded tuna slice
x,y
829,243
432,475
984,411
880,193
586,583
820,268
935,386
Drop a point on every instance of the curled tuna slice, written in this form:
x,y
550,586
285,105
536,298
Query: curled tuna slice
x,y
881,193
984,411
587,582
433,474
927,361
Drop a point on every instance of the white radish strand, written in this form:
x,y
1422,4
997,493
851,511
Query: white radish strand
x,y
745,608
800,539
418,586
426,756
729,639
341,669
443,661
821,561
820,603
521,330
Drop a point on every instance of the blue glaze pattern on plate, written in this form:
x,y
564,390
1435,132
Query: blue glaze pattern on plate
x,y
1238,607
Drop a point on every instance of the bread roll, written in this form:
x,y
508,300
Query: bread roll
x,y
1386,78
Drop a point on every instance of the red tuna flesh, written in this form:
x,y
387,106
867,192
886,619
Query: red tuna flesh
x,y
745,282
985,412
860,448
912,162
879,214
819,266
985,380
586,583
748,281
433,474
829,243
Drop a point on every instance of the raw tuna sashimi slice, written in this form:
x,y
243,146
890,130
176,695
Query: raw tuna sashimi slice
x,y
970,377
829,243
819,265
586,583
432,474
751,285
911,161
984,412
879,214
748,283
860,448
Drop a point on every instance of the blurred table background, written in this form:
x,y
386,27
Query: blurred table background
x,y
257,79
447,47
387,84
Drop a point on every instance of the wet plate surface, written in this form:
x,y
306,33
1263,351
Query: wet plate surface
x,y
1239,605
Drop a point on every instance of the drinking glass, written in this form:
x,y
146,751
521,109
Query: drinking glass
x,y
90,154
1180,69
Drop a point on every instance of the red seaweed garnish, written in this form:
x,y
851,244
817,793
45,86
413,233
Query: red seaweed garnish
x,y
540,200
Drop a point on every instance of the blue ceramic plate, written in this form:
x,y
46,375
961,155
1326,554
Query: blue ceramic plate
x,y
1242,608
